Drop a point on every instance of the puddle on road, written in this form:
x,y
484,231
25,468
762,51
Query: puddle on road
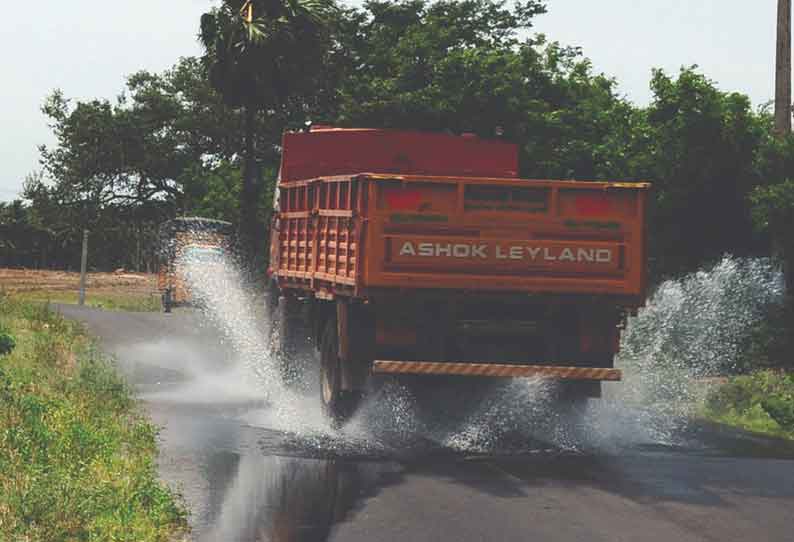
x,y
281,498
284,487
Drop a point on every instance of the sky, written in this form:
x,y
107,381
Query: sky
x,y
88,47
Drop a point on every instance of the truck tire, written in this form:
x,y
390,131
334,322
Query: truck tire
x,y
337,404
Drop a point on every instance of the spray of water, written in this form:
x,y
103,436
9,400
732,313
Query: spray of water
x,y
198,374
691,328
694,328
217,288
517,416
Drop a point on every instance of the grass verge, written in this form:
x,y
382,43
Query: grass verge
x,y
109,301
77,458
762,402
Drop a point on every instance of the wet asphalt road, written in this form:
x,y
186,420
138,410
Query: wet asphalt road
x,y
249,482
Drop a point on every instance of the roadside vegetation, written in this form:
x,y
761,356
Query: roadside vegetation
x,y
109,301
761,399
77,458
761,402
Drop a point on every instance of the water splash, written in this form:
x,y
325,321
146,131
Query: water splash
x,y
518,414
691,328
218,289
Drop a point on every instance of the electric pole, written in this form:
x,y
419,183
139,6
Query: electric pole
x,y
783,69
83,269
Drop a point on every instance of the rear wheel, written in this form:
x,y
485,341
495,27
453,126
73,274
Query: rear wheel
x,y
337,404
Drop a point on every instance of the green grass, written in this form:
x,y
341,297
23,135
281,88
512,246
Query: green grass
x,y
762,402
77,457
109,301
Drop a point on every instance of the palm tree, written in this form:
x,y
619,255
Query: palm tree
x,y
260,54
783,69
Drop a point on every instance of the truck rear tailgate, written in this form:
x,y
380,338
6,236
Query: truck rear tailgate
x,y
505,234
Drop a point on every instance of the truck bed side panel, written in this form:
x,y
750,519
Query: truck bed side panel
x,y
385,231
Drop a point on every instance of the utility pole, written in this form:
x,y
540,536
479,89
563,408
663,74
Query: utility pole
x,y
83,264
783,69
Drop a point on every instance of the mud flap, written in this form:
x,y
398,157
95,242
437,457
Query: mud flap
x,y
355,344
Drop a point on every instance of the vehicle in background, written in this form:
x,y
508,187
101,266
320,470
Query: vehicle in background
x,y
425,254
188,241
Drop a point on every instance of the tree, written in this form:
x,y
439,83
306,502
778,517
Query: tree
x,y
116,168
463,66
773,212
424,66
702,156
262,56
18,236
136,149
119,168
783,69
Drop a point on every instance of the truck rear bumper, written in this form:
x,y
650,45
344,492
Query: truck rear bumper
x,y
496,370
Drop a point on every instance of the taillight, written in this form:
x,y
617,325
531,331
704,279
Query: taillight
x,y
407,199
593,205
417,197
599,204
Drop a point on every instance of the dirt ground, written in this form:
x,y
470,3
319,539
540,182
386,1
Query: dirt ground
x,y
122,282
121,290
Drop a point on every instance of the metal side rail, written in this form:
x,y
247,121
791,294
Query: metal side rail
x,y
495,370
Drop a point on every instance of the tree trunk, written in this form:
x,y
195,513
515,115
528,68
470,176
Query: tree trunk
x,y
783,69
249,193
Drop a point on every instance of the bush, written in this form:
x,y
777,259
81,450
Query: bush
x,y
781,410
762,401
771,343
7,343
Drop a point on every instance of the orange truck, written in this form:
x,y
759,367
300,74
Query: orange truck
x,y
425,254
